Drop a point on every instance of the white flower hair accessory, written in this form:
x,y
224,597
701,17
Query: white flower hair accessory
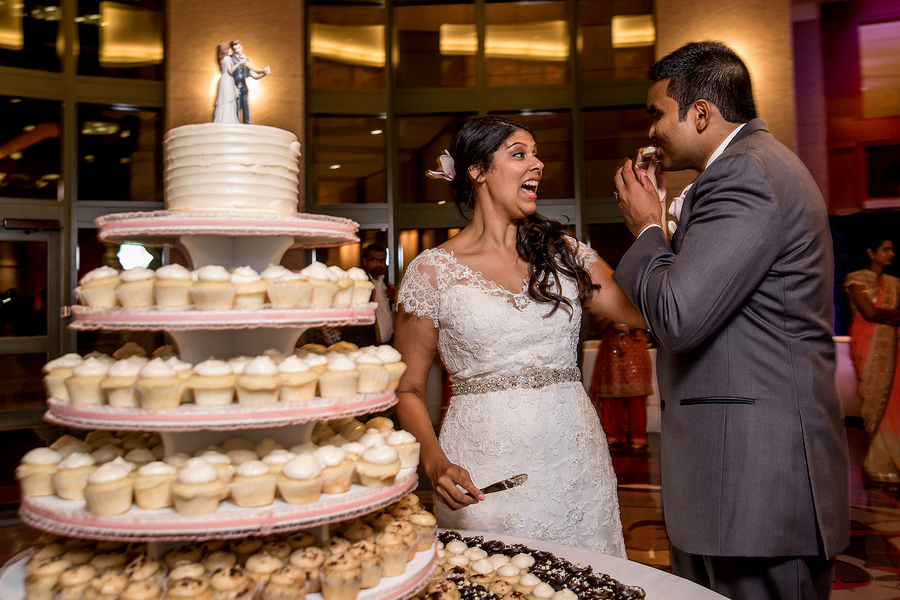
x,y
447,170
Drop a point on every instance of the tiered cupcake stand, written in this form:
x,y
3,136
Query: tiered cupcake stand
x,y
229,240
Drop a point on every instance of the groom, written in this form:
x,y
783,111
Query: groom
x,y
240,79
754,452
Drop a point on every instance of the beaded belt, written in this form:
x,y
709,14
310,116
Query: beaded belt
x,y
533,378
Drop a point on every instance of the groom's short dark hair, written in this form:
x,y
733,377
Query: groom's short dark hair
x,y
711,71
233,42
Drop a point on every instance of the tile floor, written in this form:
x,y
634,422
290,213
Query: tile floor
x,y
868,570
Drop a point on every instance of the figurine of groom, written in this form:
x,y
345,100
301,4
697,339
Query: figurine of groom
x,y
240,79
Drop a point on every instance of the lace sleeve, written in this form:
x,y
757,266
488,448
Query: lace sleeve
x,y
418,294
585,255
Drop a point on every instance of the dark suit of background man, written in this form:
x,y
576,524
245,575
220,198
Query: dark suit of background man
x,y
754,456
240,79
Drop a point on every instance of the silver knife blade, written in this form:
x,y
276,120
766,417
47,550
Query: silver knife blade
x,y
505,484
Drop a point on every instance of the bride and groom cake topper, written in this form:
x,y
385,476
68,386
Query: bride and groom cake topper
x,y
232,95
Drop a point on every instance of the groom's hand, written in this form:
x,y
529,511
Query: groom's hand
x,y
637,197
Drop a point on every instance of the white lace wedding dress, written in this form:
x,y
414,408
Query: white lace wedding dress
x,y
552,433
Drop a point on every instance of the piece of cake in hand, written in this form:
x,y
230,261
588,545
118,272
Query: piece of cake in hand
x,y
198,489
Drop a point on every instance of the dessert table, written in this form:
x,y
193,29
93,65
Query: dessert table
x,y
657,584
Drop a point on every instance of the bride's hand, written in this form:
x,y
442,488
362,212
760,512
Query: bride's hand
x,y
445,480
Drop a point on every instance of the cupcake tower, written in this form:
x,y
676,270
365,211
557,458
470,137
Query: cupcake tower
x,y
205,335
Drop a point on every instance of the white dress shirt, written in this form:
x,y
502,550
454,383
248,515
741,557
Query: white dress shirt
x,y
384,320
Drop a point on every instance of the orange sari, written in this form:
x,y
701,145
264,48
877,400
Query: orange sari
x,y
873,348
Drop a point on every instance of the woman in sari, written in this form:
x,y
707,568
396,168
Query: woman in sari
x,y
874,301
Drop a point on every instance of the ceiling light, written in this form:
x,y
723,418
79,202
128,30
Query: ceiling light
x,y
377,132
332,167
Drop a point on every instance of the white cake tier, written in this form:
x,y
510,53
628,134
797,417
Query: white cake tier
x,y
71,518
417,575
190,417
211,167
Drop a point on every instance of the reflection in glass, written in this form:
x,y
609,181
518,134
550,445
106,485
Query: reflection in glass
x,y
30,164
93,253
617,39
527,43
348,160
23,381
121,39
23,289
30,36
119,153
422,140
414,241
553,134
346,46
436,44
609,137
879,56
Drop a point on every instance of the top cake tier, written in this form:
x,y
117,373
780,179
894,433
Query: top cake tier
x,y
231,167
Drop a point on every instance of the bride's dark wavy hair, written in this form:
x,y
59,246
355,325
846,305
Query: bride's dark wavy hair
x,y
540,241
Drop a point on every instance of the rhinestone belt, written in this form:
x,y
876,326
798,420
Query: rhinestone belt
x,y
533,378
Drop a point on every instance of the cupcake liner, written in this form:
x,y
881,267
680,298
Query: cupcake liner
x,y
213,297
172,294
69,484
112,498
338,384
299,491
153,491
136,294
373,379
323,293
99,294
254,491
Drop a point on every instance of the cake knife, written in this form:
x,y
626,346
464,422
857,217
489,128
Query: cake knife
x,y
504,485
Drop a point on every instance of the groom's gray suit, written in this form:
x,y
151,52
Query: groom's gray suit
x,y
754,452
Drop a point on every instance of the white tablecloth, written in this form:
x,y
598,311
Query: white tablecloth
x,y
658,585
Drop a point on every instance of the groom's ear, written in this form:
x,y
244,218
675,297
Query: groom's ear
x,y
703,110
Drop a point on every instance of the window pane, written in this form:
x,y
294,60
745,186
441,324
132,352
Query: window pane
x,y
617,39
23,381
879,55
23,289
119,39
346,46
119,153
422,140
609,137
30,36
553,134
30,164
437,44
348,160
527,43
93,253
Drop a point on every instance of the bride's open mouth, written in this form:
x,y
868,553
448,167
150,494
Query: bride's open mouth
x,y
530,187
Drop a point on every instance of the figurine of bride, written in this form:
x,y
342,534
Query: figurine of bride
x,y
227,93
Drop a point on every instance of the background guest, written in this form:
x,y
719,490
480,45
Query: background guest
x,y
874,300
374,262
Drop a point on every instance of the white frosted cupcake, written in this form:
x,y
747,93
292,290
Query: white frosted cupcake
x,y
140,457
276,459
337,469
392,362
266,446
344,295
253,484
362,286
373,375
238,363
300,481
35,471
153,485
407,447
136,288
110,489
57,371
222,463
258,384
84,384
249,288
317,362
172,287
118,385
98,288
184,370
159,387
273,272
213,288
298,380
324,283
198,489
212,383
378,466
339,380
72,475
290,290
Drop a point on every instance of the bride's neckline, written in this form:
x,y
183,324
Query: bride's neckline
x,y
493,285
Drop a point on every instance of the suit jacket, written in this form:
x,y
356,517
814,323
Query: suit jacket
x,y
754,451
240,73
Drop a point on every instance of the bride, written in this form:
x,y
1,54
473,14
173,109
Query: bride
x,y
502,304
226,91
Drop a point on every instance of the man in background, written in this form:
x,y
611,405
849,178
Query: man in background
x,y
374,263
